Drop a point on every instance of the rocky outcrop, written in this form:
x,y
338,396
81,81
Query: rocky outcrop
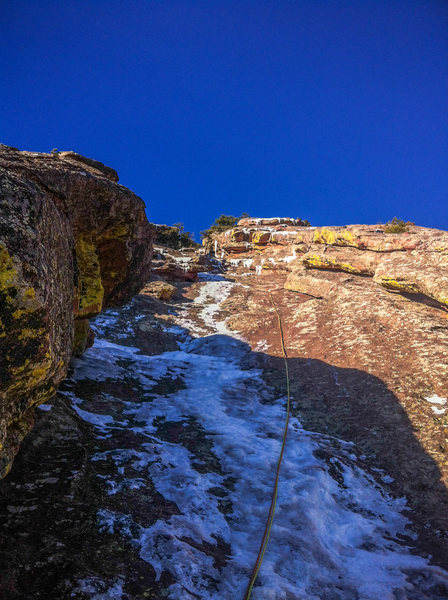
x,y
172,393
365,317
159,289
414,262
178,265
72,242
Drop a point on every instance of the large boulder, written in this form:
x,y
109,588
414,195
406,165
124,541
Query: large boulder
x,y
72,242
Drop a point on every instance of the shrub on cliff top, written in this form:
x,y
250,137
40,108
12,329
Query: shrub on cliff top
x,y
222,223
175,237
396,226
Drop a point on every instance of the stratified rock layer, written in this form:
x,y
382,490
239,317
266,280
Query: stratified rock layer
x,y
412,262
72,242
178,265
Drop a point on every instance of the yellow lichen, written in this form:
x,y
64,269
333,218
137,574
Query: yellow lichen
x,y
40,373
334,238
323,236
28,333
8,274
90,288
20,312
441,297
319,262
29,378
232,235
23,299
257,236
399,286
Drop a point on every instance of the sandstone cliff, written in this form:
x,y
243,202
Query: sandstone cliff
x,y
72,242
365,318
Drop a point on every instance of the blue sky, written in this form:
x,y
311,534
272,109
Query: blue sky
x,y
334,111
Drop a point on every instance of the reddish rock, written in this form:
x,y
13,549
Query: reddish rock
x,y
260,237
349,260
72,242
179,265
366,328
416,273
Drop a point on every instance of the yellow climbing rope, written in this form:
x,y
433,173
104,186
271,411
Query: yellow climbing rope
x,y
270,519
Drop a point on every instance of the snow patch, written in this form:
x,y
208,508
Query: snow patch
x,y
337,532
434,399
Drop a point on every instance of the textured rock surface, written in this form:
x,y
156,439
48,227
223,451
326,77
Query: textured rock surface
x,y
365,318
160,290
178,265
72,241
414,262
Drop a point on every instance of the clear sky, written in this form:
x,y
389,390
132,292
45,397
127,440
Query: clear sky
x,y
330,110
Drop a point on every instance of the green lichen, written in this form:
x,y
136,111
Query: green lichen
x,y
90,292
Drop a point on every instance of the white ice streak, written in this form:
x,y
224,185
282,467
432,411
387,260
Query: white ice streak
x,y
336,530
288,259
211,295
259,267
434,399
324,534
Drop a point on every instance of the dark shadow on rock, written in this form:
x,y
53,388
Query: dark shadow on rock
x,y
218,345
356,406
49,537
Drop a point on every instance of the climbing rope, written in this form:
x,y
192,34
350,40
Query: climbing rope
x,y
270,519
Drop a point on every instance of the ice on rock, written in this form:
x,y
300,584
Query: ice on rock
x,y
332,537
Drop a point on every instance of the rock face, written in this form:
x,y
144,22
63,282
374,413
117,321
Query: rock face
x,y
72,242
178,265
366,327
414,262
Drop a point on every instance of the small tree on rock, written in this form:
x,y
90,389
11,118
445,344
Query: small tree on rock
x,y
222,223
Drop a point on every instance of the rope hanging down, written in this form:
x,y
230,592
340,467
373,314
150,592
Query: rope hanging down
x,y
270,519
